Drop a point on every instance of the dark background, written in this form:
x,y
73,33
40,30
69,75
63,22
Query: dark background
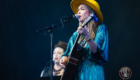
x,y
24,53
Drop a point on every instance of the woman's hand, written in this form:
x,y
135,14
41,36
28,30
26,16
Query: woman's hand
x,y
63,61
92,45
83,32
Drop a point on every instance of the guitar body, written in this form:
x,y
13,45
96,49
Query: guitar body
x,y
72,64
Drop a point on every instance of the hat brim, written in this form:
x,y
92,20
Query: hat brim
x,y
75,4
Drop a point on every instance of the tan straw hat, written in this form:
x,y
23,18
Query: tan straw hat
x,y
91,3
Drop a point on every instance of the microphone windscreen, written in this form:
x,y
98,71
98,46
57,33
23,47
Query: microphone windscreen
x,y
76,16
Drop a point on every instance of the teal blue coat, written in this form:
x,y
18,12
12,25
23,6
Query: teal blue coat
x,y
92,67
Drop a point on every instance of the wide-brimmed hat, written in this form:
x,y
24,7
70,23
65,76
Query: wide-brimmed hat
x,y
91,3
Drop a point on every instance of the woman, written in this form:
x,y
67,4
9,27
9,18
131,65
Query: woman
x,y
94,40
57,53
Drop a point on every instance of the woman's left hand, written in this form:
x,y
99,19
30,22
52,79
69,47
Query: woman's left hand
x,y
83,32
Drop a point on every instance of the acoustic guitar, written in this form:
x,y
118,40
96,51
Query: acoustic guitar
x,y
74,56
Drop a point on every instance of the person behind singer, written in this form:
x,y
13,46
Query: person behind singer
x,y
60,48
94,40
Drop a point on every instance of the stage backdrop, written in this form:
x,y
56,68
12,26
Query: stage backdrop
x,y
24,53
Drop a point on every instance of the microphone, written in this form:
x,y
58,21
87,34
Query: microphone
x,y
76,16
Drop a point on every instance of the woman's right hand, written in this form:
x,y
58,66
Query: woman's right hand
x,y
63,60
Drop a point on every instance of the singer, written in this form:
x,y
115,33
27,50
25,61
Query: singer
x,y
94,36
57,53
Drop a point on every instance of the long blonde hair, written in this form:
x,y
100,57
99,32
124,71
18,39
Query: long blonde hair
x,y
92,24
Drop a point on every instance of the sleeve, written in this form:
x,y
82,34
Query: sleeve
x,y
101,39
46,71
70,44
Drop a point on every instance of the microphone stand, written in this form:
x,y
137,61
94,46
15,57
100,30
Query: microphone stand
x,y
51,30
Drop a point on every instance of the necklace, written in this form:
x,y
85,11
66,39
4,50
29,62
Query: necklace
x,y
57,71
